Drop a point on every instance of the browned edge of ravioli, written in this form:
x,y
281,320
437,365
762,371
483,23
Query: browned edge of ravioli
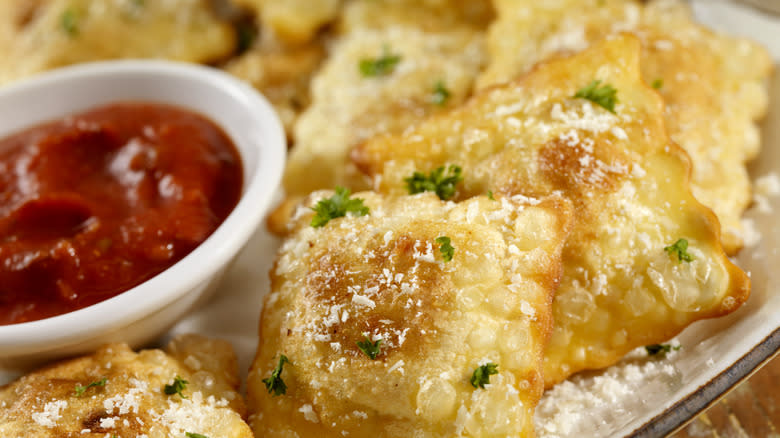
x,y
335,270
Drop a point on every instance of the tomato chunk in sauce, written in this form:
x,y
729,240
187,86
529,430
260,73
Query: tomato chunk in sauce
x,y
98,202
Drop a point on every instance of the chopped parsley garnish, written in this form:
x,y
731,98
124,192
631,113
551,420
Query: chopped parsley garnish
x,y
445,248
80,390
655,349
195,435
436,181
177,387
275,383
490,195
381,66
604,96
657,84
370,349
69,22
440,94
481,376
681,249
336,206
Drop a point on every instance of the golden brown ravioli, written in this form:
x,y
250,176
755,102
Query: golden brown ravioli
x,y
714,86
384,277
432,52
39,35
621,287
347,106
118,392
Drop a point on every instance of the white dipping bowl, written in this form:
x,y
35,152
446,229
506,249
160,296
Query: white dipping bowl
x,y
143,313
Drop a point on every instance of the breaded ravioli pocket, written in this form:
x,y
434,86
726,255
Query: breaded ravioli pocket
x,y
44,34
715,87
409,316
385,72
191,388
644,259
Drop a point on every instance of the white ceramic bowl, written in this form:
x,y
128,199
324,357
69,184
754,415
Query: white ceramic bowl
x,y
146,311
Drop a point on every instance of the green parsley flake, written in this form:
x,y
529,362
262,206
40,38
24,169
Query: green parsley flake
x,y
382,66
337,206
656,349
490,195
370,349
681,249
481,376
69,22
80,390
604,96
275,383
440,94
177,387
436,181
658,83
446,249
195,435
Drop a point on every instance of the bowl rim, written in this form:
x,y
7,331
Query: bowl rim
x,y
221,245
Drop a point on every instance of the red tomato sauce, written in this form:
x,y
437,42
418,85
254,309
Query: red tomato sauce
x,y
96,203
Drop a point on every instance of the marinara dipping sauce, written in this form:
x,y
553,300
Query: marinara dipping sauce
x,y
98,202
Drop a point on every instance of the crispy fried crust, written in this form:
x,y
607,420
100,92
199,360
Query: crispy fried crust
x,y
44,34
438,41
348,108
628,181
383,276
132,401
714,86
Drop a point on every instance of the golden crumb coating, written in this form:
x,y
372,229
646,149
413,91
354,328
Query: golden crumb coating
x,y
348,107
435,50
385,277
116,392
621,287
714,86
282,74
38,35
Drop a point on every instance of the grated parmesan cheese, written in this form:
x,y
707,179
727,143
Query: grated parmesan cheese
x,y
50,414
566,409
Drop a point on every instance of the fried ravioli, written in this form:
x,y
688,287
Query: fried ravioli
x,y
44,34
116,392
419,72
625,284
714,86
348,107
384,319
